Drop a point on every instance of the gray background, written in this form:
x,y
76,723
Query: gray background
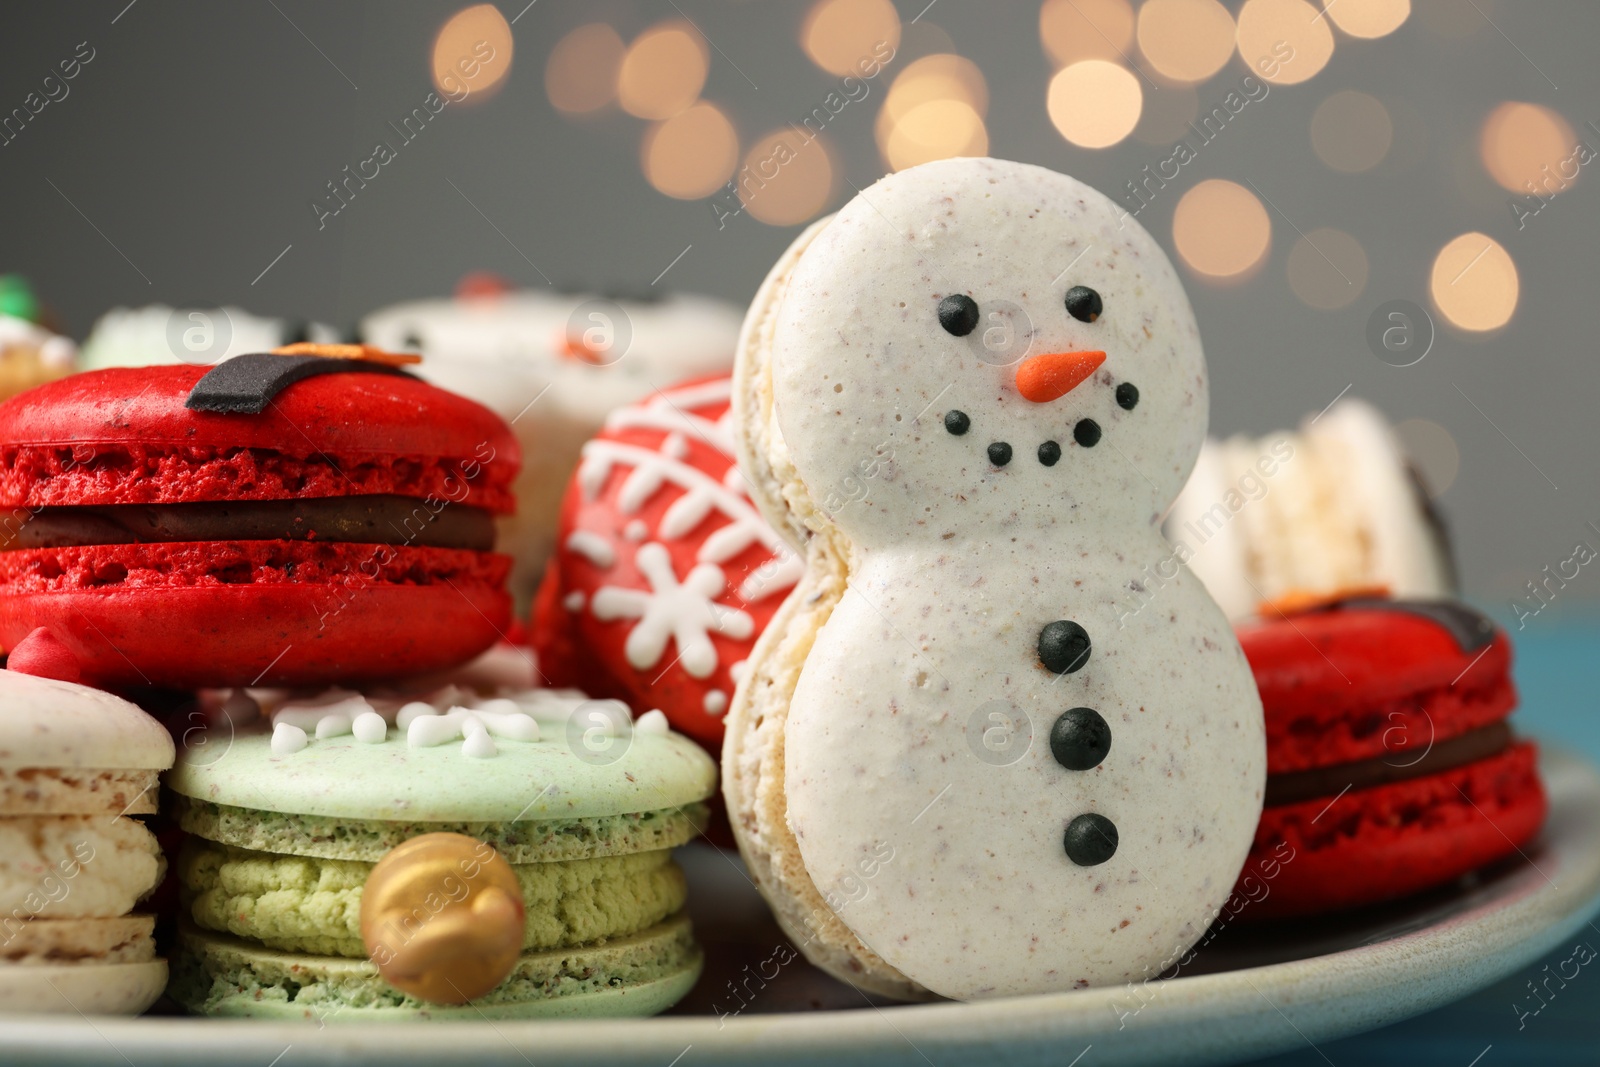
x,y
200,133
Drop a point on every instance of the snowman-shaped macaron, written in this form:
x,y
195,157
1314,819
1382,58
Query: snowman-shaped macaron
x,y
971,395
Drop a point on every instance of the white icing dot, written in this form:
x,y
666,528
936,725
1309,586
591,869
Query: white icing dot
x,y
736,671
409,712
653,722
573,601
426,731
636,530
334,725
716,702
287,739
592,547
479,745
369,728
675,446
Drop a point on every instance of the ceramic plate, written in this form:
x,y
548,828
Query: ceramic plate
x,y
1250,992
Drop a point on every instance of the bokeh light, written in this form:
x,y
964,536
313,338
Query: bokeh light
x,y
1474,283
1327,268
938,129
1074,30
1522,143
581,76
1220,229
1185,40
934,110
1369,18
839,35
1284,42
787,178
1351,131
1433,451
1167,114
663,71
472,53
1095,103
692,154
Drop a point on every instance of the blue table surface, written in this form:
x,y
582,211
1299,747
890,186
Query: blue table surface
x,y
1557,671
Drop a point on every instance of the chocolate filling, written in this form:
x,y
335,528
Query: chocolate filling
x,y
373,520
1446,755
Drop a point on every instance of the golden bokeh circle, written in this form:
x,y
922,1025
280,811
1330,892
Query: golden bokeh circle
x,y
692,154
1185,40
663,71
1369,18
1284,42
840,35
1474,284
1074,30
1351,131
787,178
1527,143
581,75
472,53
936,129
1220,229
1094,103
1327,268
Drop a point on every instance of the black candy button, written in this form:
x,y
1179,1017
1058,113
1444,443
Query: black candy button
x,y
1086,433
1080,739
999,453
1063,646
958,314
957,422
1090,840
1049,453
1127,396
1083,303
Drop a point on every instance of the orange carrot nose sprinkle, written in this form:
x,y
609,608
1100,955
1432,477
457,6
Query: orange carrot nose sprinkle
x,y
1053,375
370,353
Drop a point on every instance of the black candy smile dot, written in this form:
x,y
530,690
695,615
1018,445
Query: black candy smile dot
x,y
1049,452
1090,840
958,314
957,422
999,453
1086,433
1127,396
1083,303
1080,739
1063,647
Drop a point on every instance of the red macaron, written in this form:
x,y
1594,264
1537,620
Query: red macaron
x,y
1390,766
664,574
280,519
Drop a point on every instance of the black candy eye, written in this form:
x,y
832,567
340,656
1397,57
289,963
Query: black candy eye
x,y
1083,303
1127,396
958,314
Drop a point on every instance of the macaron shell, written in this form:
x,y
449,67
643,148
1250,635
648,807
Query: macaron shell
x,y
81,988
350,416
45,723
1379,844
218,975
1360,683
527,780
342,628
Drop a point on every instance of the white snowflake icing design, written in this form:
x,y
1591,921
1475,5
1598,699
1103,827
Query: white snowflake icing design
x,y
686,612
447,714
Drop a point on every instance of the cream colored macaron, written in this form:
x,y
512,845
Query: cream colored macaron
x,y
76,766
1333,506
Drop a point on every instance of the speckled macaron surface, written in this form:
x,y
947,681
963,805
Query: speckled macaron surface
x,y
977,388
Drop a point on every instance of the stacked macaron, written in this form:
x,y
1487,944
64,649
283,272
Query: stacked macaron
x,y
312,516
564,812
1333,506
157,334
78,768
1390,765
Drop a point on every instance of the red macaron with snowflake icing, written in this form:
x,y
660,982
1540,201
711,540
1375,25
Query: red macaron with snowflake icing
x,y
664,573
